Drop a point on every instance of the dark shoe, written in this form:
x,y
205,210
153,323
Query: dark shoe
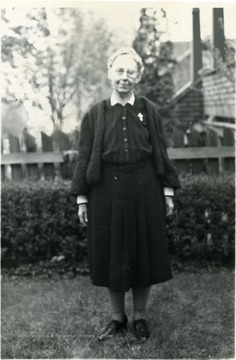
x,y
141,330
113,328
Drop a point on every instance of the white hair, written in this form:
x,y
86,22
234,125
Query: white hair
x,y
126,51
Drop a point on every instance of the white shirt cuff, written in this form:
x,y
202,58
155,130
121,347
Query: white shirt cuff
x,y
168,191
81,199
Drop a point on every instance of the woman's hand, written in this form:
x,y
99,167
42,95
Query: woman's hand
x,y
83,214
169,205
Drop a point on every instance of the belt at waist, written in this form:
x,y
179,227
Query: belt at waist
x,y
126,168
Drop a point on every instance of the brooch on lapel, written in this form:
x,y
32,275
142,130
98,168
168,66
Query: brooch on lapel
x,y
140,116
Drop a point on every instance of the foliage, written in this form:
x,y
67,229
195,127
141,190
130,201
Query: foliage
x,y
156,52
40,225
213,59
52,58
202,228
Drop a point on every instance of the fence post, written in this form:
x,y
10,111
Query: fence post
x,y
198,165
212,139
56,147
5,169
63,143
70,157
14,146
228,140
23,149
178,142
47,145
30,144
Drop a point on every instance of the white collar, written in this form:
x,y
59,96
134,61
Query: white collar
x,y
115,100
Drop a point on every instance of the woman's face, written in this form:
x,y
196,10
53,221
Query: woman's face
x,y
124,74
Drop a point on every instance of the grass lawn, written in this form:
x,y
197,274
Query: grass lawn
x,y
191,316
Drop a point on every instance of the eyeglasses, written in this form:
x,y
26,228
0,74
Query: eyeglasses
x,y
130,73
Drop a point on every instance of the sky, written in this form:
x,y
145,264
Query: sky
x,y
123,16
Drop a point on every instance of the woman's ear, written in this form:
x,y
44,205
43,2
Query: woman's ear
x,y
109,74
138,78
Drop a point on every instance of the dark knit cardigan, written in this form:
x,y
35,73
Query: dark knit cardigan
x,y
88,167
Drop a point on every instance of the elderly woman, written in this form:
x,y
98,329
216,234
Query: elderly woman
x,y
124,183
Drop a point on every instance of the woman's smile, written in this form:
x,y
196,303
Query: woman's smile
x,y
125,85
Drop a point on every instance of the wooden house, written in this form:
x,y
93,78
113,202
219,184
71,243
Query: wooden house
x,y
203,105
204,91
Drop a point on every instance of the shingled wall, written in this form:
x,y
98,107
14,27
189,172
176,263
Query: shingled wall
x,y
188,108
219,95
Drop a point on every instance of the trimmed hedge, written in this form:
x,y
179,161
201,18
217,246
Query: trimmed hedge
x,y
40,225
202,230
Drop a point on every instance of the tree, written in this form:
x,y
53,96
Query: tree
x,y
156,53
212,59
96,45
52,59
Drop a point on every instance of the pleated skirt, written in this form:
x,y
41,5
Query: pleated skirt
x,y
127,239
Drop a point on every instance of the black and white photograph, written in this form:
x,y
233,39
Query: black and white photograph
x,y
118,180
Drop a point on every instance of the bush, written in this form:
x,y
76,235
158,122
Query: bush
x,y
202,228
40,225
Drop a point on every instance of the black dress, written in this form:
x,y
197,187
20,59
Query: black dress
x,y
126,209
